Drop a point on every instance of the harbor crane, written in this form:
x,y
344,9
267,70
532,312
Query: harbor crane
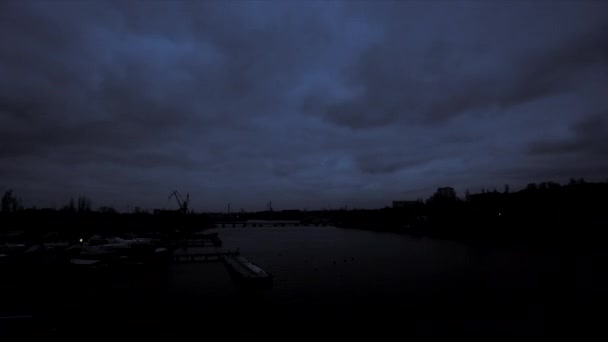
x,y
183,203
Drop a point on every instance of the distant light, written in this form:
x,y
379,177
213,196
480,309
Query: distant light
x,y
80,240
499,214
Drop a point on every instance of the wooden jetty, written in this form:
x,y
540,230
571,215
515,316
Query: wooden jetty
x,y
259,223
198,240
246,272
197,243
202,256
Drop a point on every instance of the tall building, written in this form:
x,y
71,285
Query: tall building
x,y
446,192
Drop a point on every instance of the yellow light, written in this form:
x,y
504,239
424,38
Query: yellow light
x,y
80,240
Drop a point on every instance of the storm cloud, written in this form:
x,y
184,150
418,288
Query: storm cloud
x,y
308,104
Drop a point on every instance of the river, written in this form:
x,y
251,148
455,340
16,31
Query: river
x,y
341,280
336,277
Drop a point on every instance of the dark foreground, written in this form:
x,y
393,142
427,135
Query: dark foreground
x,y
328,282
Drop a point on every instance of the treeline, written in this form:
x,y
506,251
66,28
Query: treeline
x,y
544,211
12,204
77,217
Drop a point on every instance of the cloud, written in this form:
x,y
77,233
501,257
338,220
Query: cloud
x,y
437,75
589,138
302,103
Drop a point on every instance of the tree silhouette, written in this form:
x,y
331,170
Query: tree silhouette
x,y
71,206
10,203
84,204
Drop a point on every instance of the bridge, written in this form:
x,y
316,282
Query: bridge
x,y
260,223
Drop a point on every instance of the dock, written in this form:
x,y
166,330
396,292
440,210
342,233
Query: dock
x,y
205,256
198,240
259,223
246,272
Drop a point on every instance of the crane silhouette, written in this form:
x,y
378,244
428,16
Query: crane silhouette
x,y
183,203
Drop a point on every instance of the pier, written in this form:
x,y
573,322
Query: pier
x,y
198,240
195,257
247,273
242,270
260,223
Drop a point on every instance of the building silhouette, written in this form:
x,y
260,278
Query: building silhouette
x,y
446,192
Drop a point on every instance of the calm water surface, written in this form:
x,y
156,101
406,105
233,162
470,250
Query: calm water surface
x,y
355,275
337,279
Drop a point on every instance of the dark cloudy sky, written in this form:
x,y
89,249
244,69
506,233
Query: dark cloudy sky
x,y
309,104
